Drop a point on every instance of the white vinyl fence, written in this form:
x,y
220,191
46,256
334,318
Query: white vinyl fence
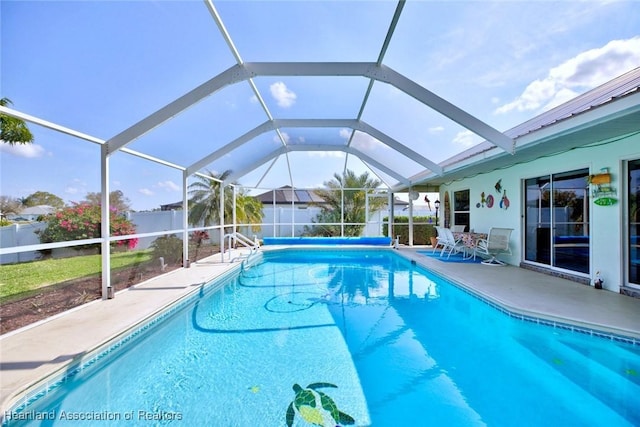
x,y
277,222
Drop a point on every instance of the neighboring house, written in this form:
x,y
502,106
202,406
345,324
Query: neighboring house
x,y
281,220
302,198
32,213
286,195
171,206
570,191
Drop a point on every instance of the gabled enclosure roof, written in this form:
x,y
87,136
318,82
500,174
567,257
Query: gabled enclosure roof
x,y
371,72
291,93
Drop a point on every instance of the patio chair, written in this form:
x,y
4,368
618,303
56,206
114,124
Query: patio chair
x,y
496,243
458,228
449,243
439,239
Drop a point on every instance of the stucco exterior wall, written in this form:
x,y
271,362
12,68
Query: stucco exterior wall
x,y
607,223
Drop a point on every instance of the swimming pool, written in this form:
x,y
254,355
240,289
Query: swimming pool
x,y
401,346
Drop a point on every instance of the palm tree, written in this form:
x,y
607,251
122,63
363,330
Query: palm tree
x,y
204,204
354,204
13,131
249,211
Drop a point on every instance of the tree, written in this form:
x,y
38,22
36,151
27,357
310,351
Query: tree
x,y
12,130
43,198
204,204
9,205
249,211
354,204
117,200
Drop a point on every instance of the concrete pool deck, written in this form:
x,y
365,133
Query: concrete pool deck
x,y
29,355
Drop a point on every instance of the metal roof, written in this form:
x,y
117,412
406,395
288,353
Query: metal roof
x,y
622,119
286,195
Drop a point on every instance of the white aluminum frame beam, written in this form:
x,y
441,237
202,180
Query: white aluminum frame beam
x,y
232,75
385,74
249,70
317,123
210,158
49,125
316,147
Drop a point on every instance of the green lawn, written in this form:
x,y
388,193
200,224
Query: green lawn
x,y
28,276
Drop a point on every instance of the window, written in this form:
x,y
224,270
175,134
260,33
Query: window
x,y
461,208
557,220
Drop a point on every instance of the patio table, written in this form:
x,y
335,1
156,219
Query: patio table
x,y
469,240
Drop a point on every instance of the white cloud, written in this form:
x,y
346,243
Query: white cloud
x,y
169,185
465,139
577,75
285,136
28,151
345,133
146,192
71,190
436,129
76,186
283,96
365,142
322,154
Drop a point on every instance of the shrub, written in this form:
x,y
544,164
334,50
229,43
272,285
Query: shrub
x,y
421,231
168,247
82,221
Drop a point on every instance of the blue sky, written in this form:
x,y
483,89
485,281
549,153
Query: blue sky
x,y
100,67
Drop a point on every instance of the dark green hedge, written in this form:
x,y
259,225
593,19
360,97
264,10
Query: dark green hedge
x,y
421,232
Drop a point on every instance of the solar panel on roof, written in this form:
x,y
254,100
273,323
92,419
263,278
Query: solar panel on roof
x,y
303,196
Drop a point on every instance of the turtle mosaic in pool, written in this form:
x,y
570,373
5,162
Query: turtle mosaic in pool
x,y
347,337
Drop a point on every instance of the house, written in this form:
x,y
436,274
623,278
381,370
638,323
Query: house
x,y
570,189
32,213
171,206
287,195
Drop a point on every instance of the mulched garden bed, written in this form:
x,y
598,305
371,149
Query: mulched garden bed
x,y
58,298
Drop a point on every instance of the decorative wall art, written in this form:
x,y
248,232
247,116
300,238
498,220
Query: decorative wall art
x,y
489,200
603,193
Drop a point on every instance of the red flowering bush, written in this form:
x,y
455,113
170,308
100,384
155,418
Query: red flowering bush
x,y
82,221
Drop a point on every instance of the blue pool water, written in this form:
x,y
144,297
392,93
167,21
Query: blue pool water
x,y
402,346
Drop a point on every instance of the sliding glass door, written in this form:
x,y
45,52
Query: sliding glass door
x,y
633,241
557,220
